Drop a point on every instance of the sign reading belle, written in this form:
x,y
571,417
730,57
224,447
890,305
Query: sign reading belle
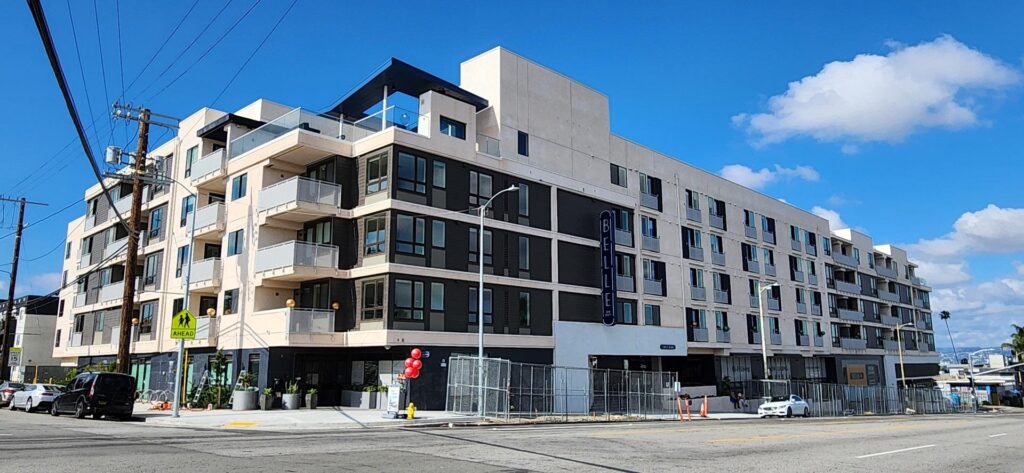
x,y
608,272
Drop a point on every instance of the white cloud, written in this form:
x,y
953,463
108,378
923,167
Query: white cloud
x,y
849,149
1019,267
841,199
759,179
940,274
835,222
989,230
981,313
883,98
36,284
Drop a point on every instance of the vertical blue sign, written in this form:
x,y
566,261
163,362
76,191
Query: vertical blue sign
x,y
608,272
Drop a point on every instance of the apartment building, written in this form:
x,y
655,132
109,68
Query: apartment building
x,y
33,323
328,243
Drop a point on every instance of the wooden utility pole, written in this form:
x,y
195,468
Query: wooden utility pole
x,y
5,349
134,234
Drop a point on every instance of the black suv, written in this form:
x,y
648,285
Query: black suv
x,y
99,394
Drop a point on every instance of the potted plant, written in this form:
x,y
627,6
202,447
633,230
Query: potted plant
x,y
244,397
311,398
267,399
291,398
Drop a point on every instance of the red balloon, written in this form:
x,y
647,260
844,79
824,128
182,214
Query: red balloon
x,y
417,364
416,353
411,373
415,374
409,362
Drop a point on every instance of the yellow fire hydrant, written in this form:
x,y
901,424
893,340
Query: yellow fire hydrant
x,y
410,412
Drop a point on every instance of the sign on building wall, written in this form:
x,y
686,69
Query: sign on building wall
x,y
608,272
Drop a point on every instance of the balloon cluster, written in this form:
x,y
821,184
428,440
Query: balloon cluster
x,y
413,364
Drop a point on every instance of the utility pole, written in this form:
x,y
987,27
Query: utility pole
x,y
4,348
128,301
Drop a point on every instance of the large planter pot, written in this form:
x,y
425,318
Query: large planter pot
x,y
266,402
360,399
311,401
291,401
243,400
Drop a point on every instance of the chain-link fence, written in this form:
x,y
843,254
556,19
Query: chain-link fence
x,y
515,391
833,400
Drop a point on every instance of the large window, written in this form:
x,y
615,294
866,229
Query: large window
x,y
624,313
377,174
319,232
474,243
188,204
440,174
652,314
524,253
648,226
412,173
624,265
156,221
721,321
453,128
692,237
376,238
182,260
408,300
437,297
696,277
524,200
410,235
146,317
480,188
231,301
190,158
692,200
238,186
437,234
619,176
152,262
524,309
474,303
373,299
236,242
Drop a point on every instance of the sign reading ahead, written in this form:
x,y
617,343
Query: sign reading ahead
x,y
608,270
183,326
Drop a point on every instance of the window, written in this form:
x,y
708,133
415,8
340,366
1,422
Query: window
x,y
623,220
230,302
692,200
236,242
856,254
716,207
253,366
716,243
749,252
696,318
524,144
810,267
412,173
437,296
768,224
624,265
182,259
826,246
653,270
375,239
452,128
769,257
773,325
179,304
474,243
64,279
79,323
652,314
524,253
648,226
619,177
377,174
794,232
480,188
319,232
692,237
156,220
524,200
650,186
410,235
440,174
238,186
696,277
437,233
152,261
97,322
624,313
408,300
801,298
748,218
721,321
190,158
146,317
474,303
56,341
60,307
524,309
373,299
67,250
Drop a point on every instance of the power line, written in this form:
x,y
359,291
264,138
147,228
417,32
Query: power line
x,y
103,66
258,47
27,225
81,67
59,245
166,40
120,50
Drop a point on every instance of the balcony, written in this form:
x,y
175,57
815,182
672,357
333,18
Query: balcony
x,y
652,201
921,304
844,259
623,237
751,266
299,119
801,307
391,117
768,237
695,253
815,309
887,272
90,221
769,269
76,339
112,292
209,168
774,304
819,341
754,302
890,320
123,205
922,324
80,299
654,287
206,328
918,281
487,145
717,221
850,287
888,296
698,293
651,243
803,340
625,283
299,199
296,326
847,314
750,232
796,245
722,335
693,214
697,334
853,343
115,248
775,338
722,297
812,279
205,274
718,258
890,345
811,250
797,276
296,260
209,219
753,338
85,261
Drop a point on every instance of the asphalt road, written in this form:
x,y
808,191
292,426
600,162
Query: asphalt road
x,y
990,443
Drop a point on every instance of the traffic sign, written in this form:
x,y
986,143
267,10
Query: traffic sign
x,y
183,325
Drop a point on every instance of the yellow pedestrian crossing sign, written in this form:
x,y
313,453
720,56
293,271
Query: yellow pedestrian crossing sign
x,y
183,326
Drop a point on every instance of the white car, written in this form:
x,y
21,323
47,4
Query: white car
x,y
784,406
35,396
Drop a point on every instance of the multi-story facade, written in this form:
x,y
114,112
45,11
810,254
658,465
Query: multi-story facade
x,y
330,243
33,321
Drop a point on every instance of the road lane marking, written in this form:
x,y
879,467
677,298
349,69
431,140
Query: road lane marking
x,y
896,451
996,435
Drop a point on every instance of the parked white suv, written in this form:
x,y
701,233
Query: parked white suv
x,y
784,406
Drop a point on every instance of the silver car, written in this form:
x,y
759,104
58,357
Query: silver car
x,y
7,390
34,396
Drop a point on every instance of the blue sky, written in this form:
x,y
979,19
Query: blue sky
x,y
707,83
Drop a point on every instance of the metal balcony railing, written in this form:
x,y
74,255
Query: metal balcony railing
x,y
654,287
112,292
853,343
890,273
649,200
844,259
801,307
769,269
698,293
718,258
774,304
650,243
815,309
310,320
717,221
693,214
721,297
750,232
796,245
697,334
625,283
847,286
848,314
299,119
775,338
695,253
888,296
768,237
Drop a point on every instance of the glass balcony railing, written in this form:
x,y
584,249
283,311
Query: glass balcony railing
x,y
392,117
310,321
295,119
487,145
205,271
114,248
210,165
296,254
300,189
209,215
112,292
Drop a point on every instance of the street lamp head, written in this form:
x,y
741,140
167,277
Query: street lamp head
x,y
513,188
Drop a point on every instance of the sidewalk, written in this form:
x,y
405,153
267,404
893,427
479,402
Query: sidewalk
x,y
323,418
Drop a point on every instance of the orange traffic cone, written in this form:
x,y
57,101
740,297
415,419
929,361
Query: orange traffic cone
x,y
704,407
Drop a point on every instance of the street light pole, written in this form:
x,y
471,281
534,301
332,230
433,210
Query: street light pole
x,y
899,346
480,301
970,374
764,342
